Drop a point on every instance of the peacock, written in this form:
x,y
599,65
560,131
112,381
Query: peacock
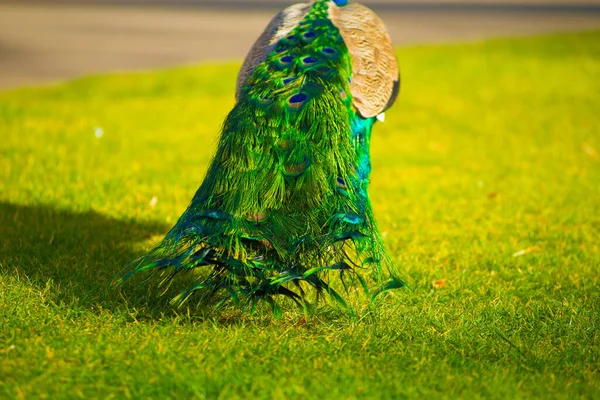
x,y
284,210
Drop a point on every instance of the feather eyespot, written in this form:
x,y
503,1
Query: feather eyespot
x,y
309,60
341,183
323,70
295,170
285,60
266,100
289,80
297,100
256,218
329,52
284,144
352,218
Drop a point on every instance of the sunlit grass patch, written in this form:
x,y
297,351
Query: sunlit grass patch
x,y
486,185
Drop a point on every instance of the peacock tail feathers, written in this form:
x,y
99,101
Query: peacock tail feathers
x,y
284,204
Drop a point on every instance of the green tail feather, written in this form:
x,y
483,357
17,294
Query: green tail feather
x,y
284,203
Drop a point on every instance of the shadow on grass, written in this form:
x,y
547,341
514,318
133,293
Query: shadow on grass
x,y
81,253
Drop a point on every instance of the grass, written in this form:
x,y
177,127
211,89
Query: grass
x,y
486,182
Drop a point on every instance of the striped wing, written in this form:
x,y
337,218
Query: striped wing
x,y
375,76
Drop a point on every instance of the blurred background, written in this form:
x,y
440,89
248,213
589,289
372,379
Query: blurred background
x,y
53,40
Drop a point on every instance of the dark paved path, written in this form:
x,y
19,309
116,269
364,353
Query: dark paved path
x,y
43,43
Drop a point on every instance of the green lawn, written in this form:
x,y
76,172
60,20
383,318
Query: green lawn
x,y
486,173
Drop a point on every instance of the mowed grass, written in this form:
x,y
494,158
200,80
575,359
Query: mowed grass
x,y
486,185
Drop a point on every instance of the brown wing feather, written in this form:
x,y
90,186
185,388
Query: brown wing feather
x,y
282,24
375,79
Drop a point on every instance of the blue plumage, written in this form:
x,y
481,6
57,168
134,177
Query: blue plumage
x,y
285,202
